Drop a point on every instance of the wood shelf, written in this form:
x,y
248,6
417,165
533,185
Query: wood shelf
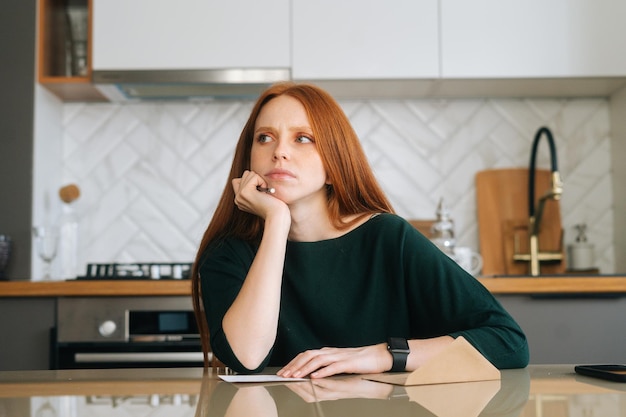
x,y
73,89
52,70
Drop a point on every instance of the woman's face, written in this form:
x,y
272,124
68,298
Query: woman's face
x,y
284,151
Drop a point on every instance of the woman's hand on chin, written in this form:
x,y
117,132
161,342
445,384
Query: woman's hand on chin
x,y
248,197
325,362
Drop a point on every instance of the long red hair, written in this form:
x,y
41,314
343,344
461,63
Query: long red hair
x,y
353,189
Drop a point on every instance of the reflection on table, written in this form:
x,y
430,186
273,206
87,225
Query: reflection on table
x,y
540,390
354,395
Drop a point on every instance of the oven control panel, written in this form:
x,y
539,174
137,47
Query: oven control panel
x,y
125,319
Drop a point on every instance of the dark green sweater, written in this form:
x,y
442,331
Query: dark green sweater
x,y
381,279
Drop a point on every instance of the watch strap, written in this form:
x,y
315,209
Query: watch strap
x,y
399,349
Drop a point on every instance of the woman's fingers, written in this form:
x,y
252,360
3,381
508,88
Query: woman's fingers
x,y
331,361
247,196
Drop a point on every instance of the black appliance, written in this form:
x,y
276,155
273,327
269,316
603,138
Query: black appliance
x,y
125,332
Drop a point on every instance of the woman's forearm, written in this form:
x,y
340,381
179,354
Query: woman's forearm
x,y
251,322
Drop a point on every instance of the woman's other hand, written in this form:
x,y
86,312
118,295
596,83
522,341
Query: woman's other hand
x,y
363,360
331,361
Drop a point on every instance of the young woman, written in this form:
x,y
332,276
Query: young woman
x,y
305,266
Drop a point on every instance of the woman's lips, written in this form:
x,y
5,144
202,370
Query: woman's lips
x,y
279,174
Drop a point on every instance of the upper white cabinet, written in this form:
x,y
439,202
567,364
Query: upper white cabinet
x,y
533,38
365,39
190,34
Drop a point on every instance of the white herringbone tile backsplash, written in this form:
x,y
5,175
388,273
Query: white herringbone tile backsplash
x,y
152,173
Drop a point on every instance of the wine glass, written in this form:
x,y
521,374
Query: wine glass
x,y
46,241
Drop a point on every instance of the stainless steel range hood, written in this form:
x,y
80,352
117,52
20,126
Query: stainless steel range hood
x,y
130,85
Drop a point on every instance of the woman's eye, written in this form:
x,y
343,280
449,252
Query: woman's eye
x,y
264,138
304,139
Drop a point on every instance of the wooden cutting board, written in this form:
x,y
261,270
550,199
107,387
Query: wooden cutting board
x,y
502,205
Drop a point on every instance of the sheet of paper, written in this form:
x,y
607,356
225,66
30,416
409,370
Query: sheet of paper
x,y
259,378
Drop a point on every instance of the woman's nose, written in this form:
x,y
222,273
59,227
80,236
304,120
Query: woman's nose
x,y
280,152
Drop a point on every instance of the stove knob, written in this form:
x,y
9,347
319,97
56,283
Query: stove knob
x,y
107,328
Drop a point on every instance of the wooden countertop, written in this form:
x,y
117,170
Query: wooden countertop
x,y
556,285
94,288
548,285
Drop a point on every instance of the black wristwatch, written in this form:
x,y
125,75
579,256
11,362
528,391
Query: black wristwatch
x,y
399,349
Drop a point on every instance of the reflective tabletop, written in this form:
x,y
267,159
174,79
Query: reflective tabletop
x,y
539,390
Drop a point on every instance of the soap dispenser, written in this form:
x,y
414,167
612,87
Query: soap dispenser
x,y
442,230
581,251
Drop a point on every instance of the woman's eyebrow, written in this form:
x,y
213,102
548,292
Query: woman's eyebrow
x,y
262,129
303,128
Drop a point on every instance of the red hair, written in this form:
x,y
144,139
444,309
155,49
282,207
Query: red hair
x,y
353,189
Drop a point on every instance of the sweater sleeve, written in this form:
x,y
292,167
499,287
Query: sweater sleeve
x,y
222,271
445,299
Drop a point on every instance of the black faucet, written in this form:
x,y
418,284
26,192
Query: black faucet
x,y
531,171
534,216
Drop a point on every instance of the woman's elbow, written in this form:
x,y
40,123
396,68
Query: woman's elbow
x,y
251,363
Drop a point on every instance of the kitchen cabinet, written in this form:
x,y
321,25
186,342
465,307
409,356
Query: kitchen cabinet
x,y
426,48
64,45
395,39
25,324
532,38
26,341
190,34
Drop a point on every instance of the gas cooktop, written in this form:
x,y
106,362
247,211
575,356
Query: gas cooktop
x,y
137,271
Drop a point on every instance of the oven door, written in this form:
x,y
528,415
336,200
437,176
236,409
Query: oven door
x,y
178,354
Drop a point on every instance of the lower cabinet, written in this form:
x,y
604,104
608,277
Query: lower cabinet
x,y
585,330
25,325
